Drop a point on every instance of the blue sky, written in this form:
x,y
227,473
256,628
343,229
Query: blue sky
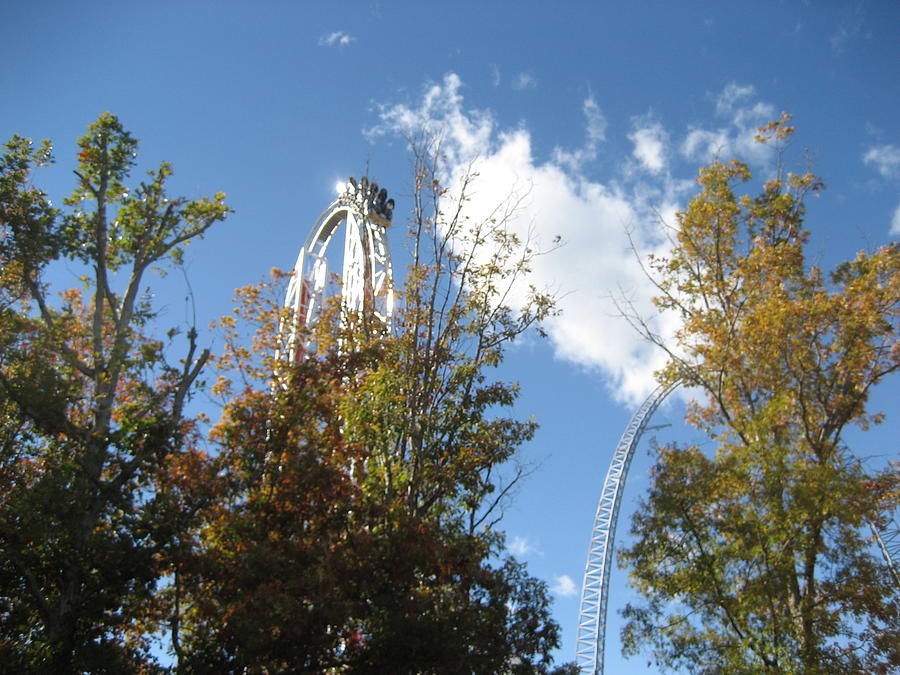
x,y
598,113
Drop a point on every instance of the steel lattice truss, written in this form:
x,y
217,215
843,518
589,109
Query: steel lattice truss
x,y
595,589
366,280
888,540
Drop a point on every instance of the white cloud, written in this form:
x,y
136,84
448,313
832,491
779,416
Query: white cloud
x,y
558,199
595,133
524,81
650,141
520,547
594,217
336,39
564,586
742,115
885,158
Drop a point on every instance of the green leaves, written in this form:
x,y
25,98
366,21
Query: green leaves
x,y
345,517
107,152
149,224
91,411
28,239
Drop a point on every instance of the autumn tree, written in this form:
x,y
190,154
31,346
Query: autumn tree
x,y
92,423
759,558
361,487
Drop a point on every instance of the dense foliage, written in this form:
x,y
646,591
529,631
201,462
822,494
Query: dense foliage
x,y
341,517
759,559
92,413
355,525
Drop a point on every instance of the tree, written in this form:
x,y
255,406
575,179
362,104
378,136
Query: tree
x,y
355,525
757,559
93,428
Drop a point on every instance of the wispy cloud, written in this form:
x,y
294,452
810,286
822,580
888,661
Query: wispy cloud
x,y
336,39
595,133
524,81
885,159
521,546
741,115
604,223
495,75
564,586
849,28
895,222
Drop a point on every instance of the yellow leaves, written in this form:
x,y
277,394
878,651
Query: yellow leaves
x,y
806,182
222,386
753,312
278,274
786,360
778,129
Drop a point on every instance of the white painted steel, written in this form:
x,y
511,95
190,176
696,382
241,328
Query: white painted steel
x,y
595,589
366,280
888,540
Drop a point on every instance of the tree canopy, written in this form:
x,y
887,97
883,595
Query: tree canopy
x,y
355,525
342,514
759,558
92,410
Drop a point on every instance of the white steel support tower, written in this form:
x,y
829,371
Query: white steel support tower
x,y
366,280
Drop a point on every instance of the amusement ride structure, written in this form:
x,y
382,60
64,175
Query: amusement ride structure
x,y
366,287
595,589
366,279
